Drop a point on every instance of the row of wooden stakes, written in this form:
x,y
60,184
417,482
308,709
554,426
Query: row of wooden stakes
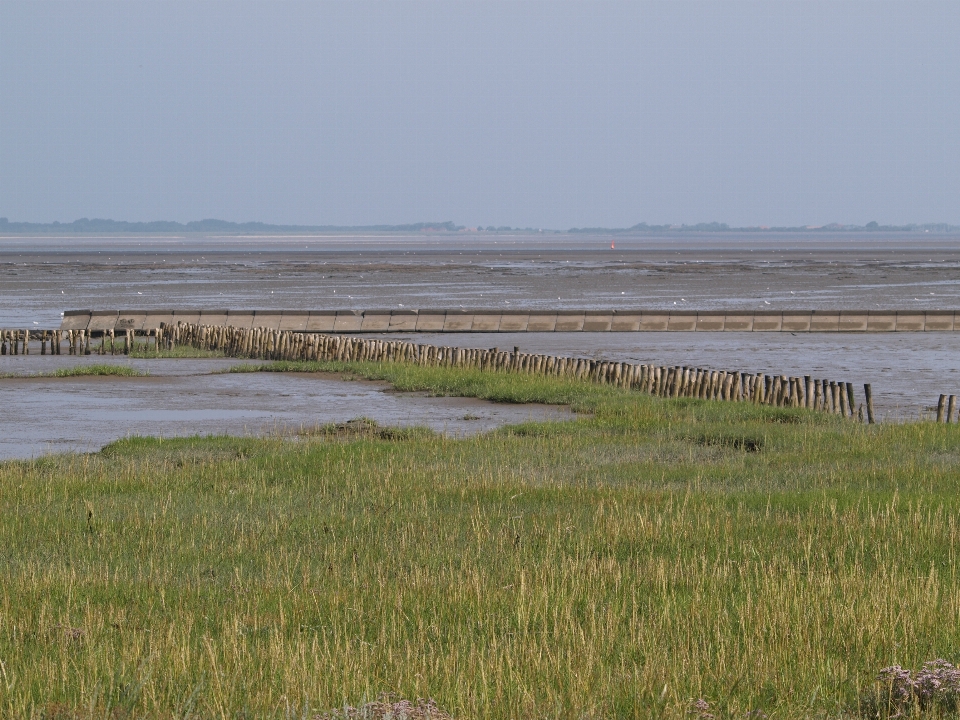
x,y
776,390
112,342
17,342
79,342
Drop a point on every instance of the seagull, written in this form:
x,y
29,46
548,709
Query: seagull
x,y
767,302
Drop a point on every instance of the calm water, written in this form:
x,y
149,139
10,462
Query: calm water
x,y
191,397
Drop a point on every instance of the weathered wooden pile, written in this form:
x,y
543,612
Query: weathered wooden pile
x,y
17,342
946,409
777,390
112,342
78,342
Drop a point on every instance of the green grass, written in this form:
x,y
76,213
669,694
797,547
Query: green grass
x,y
617,566
458,382
146,351
85,370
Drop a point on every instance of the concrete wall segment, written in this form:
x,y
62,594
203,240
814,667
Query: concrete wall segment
x,y
939,321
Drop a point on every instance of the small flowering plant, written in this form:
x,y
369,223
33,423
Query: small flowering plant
x,y
903,693
389,707
700,709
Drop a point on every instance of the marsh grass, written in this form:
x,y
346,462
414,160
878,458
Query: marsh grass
x,y
84,371
365,428
146,351
626,564
457,382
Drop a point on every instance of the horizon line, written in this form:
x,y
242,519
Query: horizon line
x,y
105,225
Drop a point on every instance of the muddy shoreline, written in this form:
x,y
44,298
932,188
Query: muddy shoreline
x,y
42,276
196,397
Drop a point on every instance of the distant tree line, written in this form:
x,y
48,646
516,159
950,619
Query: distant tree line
x,y
85,225
724,227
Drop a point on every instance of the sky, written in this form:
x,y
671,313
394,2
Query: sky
x,y
518,112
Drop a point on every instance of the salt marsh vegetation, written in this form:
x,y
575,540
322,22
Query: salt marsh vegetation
x,y
651,558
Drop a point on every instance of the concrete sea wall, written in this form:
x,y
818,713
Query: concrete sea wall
x,y
491,321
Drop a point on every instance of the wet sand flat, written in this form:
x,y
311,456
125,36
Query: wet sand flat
x,y
43,276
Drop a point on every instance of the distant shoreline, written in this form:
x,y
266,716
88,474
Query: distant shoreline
x,y
100,227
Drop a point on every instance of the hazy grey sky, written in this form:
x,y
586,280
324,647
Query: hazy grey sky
x,y
522,113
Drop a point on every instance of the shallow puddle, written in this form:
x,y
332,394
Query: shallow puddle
x,y
190,397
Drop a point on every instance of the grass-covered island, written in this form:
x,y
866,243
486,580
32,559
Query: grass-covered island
x,y
654,558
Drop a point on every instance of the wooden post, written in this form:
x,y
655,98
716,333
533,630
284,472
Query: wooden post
x,y
941,406
726,387
951,405
851,403
868,394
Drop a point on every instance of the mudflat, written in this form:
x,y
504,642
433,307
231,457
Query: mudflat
x,y
43,276
195,397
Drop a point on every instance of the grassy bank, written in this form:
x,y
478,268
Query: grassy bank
x,y
103,369
148,351
622,565
498,387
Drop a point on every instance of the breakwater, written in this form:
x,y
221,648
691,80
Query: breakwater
x,y
777,390
492,321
